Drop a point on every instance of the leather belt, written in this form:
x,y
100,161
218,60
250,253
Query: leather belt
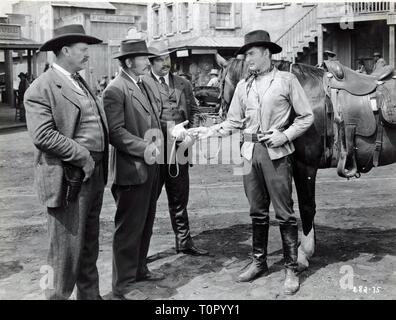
x,y
252,137
97,156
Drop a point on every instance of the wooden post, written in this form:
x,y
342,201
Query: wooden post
x,y
320,44
9,77
29,62
34,61
392,48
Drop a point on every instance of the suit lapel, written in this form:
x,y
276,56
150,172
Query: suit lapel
x,y
136,93
66,88
152,102
178,86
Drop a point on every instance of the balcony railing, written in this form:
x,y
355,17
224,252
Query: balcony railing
x,y
368,7
298,34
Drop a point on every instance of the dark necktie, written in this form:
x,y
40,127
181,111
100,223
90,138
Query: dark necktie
x,y
76,76
166,87
143,89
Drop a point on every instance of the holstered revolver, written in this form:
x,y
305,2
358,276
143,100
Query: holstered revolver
x,y
74,177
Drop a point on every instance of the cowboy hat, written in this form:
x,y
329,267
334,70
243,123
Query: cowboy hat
x,y
133,48
259,38
67,35
214,71
21,74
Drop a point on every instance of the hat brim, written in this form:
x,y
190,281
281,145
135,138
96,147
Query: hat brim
x,y
133,54
68,39
273,47
164,53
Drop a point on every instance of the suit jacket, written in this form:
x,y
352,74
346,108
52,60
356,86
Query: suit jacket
x,y
53,112
184,97
130,117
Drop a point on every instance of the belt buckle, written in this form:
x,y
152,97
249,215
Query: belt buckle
x,y
260,136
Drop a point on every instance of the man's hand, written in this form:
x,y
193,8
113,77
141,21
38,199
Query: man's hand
x,y
179,131
88,168
274,138
151,153
201,132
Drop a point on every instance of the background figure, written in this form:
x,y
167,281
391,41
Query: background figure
x,y
361,67
46,67
379,62
23,86
214,78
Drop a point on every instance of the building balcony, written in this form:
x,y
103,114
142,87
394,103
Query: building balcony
x,y
354,11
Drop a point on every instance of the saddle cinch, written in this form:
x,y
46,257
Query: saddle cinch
x,y
362,105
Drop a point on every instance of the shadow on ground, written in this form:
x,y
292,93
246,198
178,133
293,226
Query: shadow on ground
x,y
230,248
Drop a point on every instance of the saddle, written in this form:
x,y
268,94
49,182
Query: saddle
x,y
355,83
358,101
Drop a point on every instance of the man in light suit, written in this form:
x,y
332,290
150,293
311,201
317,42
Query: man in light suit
x,y
132,112
69,130
177,106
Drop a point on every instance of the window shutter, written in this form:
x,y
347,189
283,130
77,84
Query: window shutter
x,y
238,14
190,15
213,15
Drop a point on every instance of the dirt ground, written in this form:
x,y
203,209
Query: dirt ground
x,y
355,224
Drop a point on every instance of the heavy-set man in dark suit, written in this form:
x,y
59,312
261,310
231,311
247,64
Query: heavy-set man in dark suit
x,y
132,112
69,130
177,106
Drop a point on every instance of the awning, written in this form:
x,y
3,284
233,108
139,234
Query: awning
x,y
208,43
19,44
88,5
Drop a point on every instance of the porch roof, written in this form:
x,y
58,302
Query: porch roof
x,y
208,42
19,44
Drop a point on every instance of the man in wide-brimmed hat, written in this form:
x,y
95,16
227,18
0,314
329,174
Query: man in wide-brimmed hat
x,y
379,62
177,107
261,106
132,109
69,130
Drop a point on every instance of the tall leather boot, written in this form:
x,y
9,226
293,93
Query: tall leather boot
x,y
258,266
289,235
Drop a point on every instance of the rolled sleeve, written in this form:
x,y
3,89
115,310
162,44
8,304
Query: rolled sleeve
x,y
304,115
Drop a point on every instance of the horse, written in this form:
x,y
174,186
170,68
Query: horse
x,y
321,145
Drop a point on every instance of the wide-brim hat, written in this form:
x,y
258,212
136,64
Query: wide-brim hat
x,y
21,74
67,35
214,71
160,49
376,54
132,48
330,53
259,38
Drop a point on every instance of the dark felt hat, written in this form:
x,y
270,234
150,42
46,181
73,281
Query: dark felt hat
x,y
133,48
259,38
67,35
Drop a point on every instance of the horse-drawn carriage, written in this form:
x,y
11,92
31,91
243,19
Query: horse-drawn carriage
x,y
208,101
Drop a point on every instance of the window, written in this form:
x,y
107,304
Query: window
x,y
272,5
169,19
156,22
184,16
224,15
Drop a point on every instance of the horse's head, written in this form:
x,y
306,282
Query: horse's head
x,y
233,70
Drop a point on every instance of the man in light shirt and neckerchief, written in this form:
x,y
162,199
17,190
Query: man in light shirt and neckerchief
x,y
261,106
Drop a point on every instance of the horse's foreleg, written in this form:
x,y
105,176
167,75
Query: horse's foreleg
x,y
304,178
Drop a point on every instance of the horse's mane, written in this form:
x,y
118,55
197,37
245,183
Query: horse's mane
x,y
305,71
236,70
